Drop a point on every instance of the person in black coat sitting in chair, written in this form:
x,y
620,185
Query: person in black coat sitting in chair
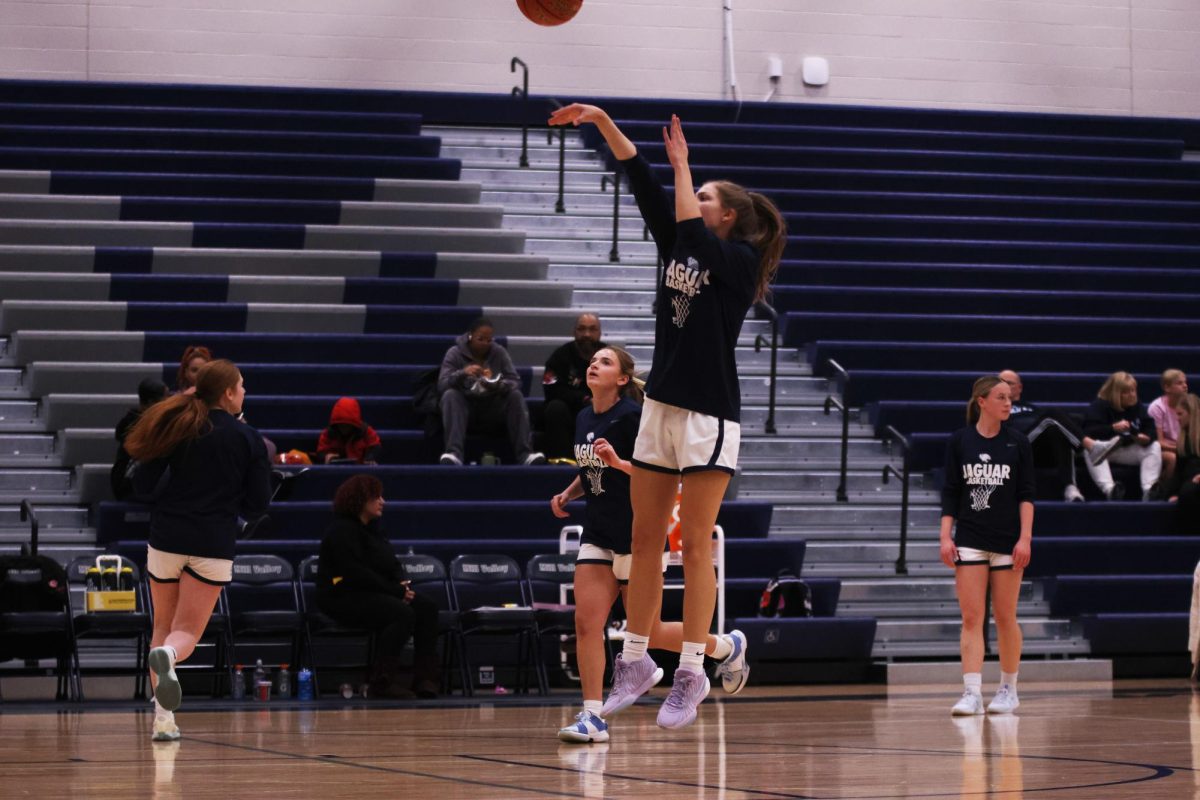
x,y
361,584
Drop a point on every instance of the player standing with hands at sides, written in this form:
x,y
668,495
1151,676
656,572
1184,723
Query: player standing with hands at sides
x,y
721,246
987,502
605,431
205,469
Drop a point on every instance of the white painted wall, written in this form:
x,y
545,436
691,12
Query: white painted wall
x,y
1100,56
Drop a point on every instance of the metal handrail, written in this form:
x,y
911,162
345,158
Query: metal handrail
x,y
27,514
614,255
893,435
522,91
832,402
560,205
765,309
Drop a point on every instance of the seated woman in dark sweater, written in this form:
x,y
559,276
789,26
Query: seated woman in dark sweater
x,y
360,583
1125,434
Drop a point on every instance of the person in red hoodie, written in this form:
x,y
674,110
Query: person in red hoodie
x,y
347,436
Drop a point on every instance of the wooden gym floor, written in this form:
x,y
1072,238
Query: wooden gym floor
x,y
1122,740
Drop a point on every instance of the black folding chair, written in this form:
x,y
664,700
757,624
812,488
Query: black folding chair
x,y
264,603
318,624
490,595
429,578
113,626
36,620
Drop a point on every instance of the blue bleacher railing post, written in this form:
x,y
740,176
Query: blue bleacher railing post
x,y
766,309
895,436
522,91
614,255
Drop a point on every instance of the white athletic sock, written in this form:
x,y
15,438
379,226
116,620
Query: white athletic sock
x,y
692,656
634,648
1009,678
593,706
174,655
973,681
159,711
722,648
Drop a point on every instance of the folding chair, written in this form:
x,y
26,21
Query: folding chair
x,y
36,620
264,603
490,595
320,625
116,625
429,578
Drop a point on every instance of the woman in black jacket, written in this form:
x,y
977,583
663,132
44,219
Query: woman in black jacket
x,y
1125,434
205,469
360,583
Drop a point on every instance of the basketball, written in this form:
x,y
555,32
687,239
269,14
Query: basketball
x,y
549,12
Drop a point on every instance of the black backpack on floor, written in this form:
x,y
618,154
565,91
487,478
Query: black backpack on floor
x,y
786,595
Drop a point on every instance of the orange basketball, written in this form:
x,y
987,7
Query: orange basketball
x,y
549,12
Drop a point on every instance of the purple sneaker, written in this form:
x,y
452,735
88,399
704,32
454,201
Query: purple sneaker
x,y
689,691
630,681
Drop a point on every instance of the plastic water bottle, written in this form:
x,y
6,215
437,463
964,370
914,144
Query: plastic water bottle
x,y
239,683
305,684
260,675
285,682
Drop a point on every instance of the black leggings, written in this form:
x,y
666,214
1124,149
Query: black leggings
x,y
393,622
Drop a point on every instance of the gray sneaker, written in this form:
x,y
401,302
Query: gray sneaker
x,y
1005,701
689,690
1102,450
968,705
168,691
631,680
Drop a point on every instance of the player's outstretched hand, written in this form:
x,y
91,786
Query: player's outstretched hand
x,y
577,114
677,149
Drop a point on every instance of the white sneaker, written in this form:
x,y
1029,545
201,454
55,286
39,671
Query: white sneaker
x,y
167,692
165,729
734,670
968,705
1102,450
451,459
587,728
1005,701
1072,494
535,459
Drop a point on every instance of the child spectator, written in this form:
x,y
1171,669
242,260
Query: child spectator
x,y
1184,488
348,438
1126,434
1175,388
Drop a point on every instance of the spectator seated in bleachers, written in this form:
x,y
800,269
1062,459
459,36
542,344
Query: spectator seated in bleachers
x,y
480,389
1125,434
1184,486
1054,434
348,438
1175,388
150,391
361,584
194,357
564,385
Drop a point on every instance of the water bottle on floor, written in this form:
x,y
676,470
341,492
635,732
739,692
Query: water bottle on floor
x,y
260,675
285,682
305,684
238,690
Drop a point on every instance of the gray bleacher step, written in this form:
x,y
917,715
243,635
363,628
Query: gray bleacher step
x,y
881,517
900,610
597,223
417,190
870,552
54,542
539,157
1066,671
86,445
71,518
844,570
543,177
883,497
544,244
53,377
1032,647
787,451
11,382
857,480
602,274
535,200
892,630
508,137
18,416
34,480
20,181
615,298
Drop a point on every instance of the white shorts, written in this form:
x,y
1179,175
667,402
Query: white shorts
x,y
675,440
994,561
620,562
167,567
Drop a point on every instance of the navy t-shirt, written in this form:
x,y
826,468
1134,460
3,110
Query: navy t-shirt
x,y
986,481
708,286
606,489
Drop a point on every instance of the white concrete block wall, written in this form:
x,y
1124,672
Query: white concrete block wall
x,y
1102,56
